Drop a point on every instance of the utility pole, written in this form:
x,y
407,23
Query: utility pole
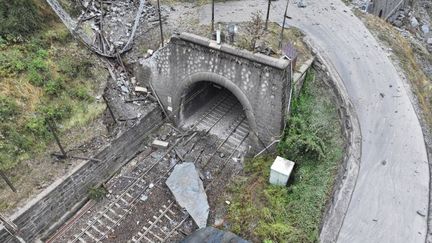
x,y
109,108
268,14
212,20
283,25
53,131
6,179
160,22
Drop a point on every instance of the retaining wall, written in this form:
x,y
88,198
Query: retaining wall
x,y
61,199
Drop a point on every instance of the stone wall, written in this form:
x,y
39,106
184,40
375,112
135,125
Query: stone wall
x,y
261,83
53,206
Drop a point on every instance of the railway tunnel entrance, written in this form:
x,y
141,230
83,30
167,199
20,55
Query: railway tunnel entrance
x,y
190,63
209,107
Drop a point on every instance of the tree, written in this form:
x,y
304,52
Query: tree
x,y
255,30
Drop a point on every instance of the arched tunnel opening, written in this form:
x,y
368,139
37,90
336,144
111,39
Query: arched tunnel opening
x,y
209,107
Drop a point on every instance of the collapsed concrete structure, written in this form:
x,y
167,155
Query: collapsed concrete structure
x,y
384,8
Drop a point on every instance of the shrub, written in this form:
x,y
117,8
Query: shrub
x,y
302,140
54,87
81,92
38,78
41,53
18,139
7,158
38,64
97,193
255,30
53,35
74,68
8,108
37,126
56,111
18,18
12,61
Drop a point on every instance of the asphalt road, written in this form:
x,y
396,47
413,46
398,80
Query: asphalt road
x,y
391,197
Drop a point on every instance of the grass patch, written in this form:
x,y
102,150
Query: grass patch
x,y
97,193
263,212
43,76
405,54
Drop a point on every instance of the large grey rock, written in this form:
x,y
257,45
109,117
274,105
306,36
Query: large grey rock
x,y
414,22
425,29
187,187
212,235
397,23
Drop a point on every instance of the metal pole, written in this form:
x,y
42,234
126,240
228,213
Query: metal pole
x,y
52,128
160,22
268,15
109,109
6,179
158,100
212,20
283,25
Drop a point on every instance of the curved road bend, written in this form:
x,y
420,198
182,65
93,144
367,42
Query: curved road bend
x,y
391,197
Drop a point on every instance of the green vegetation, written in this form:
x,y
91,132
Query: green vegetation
x,y
18,18
97,193
263,212
43,75
21,18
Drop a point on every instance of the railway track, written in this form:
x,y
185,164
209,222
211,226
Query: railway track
x,y
163,228
110,216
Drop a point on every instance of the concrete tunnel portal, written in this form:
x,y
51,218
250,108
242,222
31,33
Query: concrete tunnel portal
x,y
212,108
256,84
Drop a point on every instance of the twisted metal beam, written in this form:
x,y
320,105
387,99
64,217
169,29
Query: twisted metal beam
x,y
78,33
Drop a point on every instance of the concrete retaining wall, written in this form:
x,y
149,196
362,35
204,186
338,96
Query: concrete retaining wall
x,y
61,199
348,171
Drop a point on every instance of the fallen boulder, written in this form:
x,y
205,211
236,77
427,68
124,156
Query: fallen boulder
x,y
188,190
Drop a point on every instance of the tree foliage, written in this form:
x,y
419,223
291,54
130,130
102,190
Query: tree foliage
x,y
18,18
255,30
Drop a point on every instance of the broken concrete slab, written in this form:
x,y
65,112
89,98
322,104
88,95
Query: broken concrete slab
x,y
414,22
141,89
160,144
188,190
425,29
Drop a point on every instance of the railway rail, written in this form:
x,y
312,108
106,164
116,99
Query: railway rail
x,y
159,231
166,221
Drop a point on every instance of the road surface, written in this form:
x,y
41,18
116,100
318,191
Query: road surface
x,y
391,197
